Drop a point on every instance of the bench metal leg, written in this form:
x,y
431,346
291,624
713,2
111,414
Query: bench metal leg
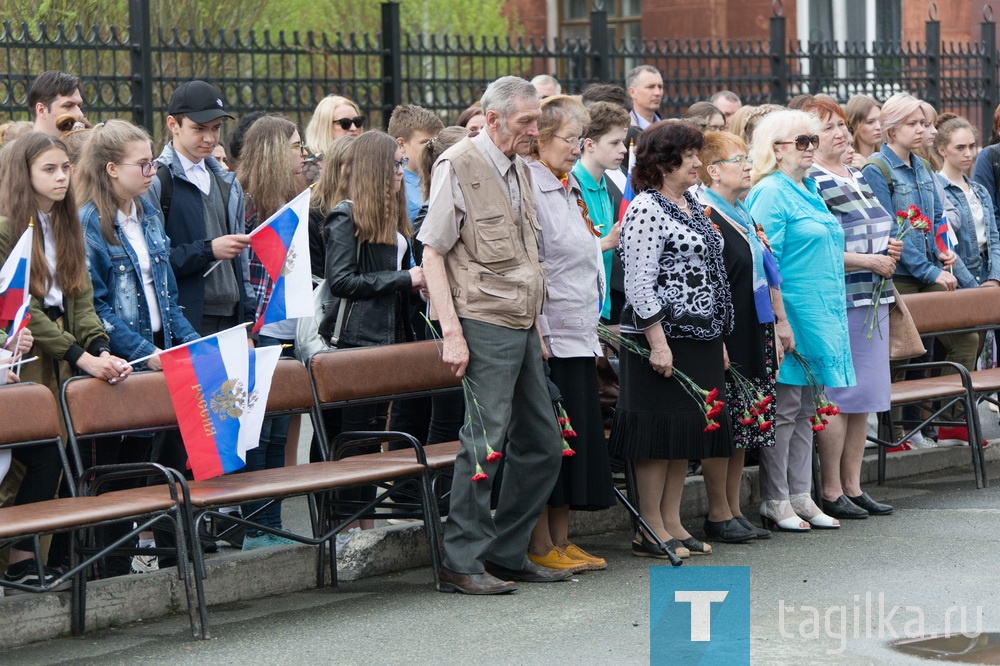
x,y
638,522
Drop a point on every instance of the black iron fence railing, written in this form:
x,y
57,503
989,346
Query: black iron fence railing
x,y
131,72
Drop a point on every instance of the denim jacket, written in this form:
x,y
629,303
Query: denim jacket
x,y
912,184
979,271
118,293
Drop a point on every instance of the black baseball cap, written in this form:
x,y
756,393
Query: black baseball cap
x,y
197,100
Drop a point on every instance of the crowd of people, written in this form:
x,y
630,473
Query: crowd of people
x,y
738,263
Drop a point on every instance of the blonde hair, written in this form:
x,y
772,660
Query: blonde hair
x,y
772,128
319,131
895,110
717,146
265,170
379,212
331,188
108,143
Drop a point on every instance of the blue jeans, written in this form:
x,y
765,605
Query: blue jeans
x,y
271,452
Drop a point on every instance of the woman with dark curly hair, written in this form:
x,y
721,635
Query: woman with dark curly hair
x,y
677,306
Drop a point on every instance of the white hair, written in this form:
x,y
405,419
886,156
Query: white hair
x,y
772,128
504,94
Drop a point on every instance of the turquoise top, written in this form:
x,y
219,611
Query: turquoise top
x,y
808,243
598,201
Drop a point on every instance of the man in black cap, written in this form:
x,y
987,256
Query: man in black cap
x,y
203,213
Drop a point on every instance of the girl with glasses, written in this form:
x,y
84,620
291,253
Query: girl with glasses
x,y
808,244
135,292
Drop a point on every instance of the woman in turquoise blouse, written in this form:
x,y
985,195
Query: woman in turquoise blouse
x,y
808,243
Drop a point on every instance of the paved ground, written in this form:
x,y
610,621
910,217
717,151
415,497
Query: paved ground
x,y
938,551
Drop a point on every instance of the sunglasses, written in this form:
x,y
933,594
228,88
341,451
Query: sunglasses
x,y
802,142
347,123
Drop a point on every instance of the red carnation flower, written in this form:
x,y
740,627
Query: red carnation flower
x,y
494,456
714,425
479,476
715,411
712,395
766,425
568,452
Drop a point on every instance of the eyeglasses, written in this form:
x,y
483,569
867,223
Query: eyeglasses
x,y
347,123
739,159
802,142
401,164
146,168
571,140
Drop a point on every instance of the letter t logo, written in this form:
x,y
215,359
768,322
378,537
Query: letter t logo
x,y
701,607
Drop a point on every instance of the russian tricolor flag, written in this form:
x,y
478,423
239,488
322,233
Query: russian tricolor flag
x,y
281,244
944,237
628,193
219,390
14,280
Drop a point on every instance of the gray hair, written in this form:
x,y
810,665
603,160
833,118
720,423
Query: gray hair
x,y
503,95
634,73
547,80
727,95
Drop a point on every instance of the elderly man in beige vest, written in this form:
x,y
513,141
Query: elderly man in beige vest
x,y
481,264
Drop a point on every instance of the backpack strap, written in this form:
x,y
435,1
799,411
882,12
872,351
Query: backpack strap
x,y
880,163
166,190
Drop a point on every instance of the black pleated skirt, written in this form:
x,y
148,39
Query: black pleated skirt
x,y
656,419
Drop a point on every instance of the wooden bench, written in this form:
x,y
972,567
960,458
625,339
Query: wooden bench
x,y
939,313
335,379
29,417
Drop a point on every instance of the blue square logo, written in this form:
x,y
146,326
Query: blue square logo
x,y
699,615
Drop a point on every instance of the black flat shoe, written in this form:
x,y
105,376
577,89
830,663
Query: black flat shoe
x,y
842,507
759,532
647,548
696,547
865,501
728,531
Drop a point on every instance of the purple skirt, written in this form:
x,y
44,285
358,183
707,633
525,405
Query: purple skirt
x,y
871,365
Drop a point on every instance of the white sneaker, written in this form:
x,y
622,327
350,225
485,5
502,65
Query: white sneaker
x,y
142,564
344,538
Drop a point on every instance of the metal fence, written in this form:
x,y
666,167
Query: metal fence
x,y
131,72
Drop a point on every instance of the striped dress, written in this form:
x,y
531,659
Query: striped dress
x,y
867,229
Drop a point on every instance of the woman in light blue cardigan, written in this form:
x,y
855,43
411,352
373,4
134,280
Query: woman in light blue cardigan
x,y
808,244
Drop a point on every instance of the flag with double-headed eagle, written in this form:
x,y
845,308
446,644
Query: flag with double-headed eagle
x,y
281,244
219,391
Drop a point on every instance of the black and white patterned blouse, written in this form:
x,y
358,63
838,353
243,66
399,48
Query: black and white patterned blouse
x,y
673,270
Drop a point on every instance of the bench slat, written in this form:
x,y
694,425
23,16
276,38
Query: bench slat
x,y
61,514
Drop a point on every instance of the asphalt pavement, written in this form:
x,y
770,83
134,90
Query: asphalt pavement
x,y
809,601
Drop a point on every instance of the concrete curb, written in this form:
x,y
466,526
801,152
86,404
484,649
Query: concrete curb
x,y
272,571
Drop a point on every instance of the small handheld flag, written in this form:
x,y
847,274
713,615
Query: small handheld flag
x,y
628,193
14,280
281,244
944,237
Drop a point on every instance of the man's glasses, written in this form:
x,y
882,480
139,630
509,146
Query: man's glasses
x,y
802,142
347,123
401,164
146,168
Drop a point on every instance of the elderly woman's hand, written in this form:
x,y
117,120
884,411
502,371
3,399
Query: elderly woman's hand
x,y
661,359
895,248
882,265
786,338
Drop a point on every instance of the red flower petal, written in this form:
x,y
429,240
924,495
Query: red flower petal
x,y
766,425
493,457
481,476
568,452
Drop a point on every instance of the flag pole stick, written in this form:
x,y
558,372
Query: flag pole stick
x,y
187,344
19,362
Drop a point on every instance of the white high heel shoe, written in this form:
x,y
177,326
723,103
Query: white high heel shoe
x,y
807,510
773,515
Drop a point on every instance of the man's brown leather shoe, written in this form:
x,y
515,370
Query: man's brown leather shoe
x,y
529,573
449,581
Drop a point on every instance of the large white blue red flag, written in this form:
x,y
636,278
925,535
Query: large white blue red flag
x,y
14,280
628,193
281,244
219,390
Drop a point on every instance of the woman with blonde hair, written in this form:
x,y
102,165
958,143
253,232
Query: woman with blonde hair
x,y
335,116
808,243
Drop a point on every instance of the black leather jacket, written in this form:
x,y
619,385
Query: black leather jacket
x,y
376,292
